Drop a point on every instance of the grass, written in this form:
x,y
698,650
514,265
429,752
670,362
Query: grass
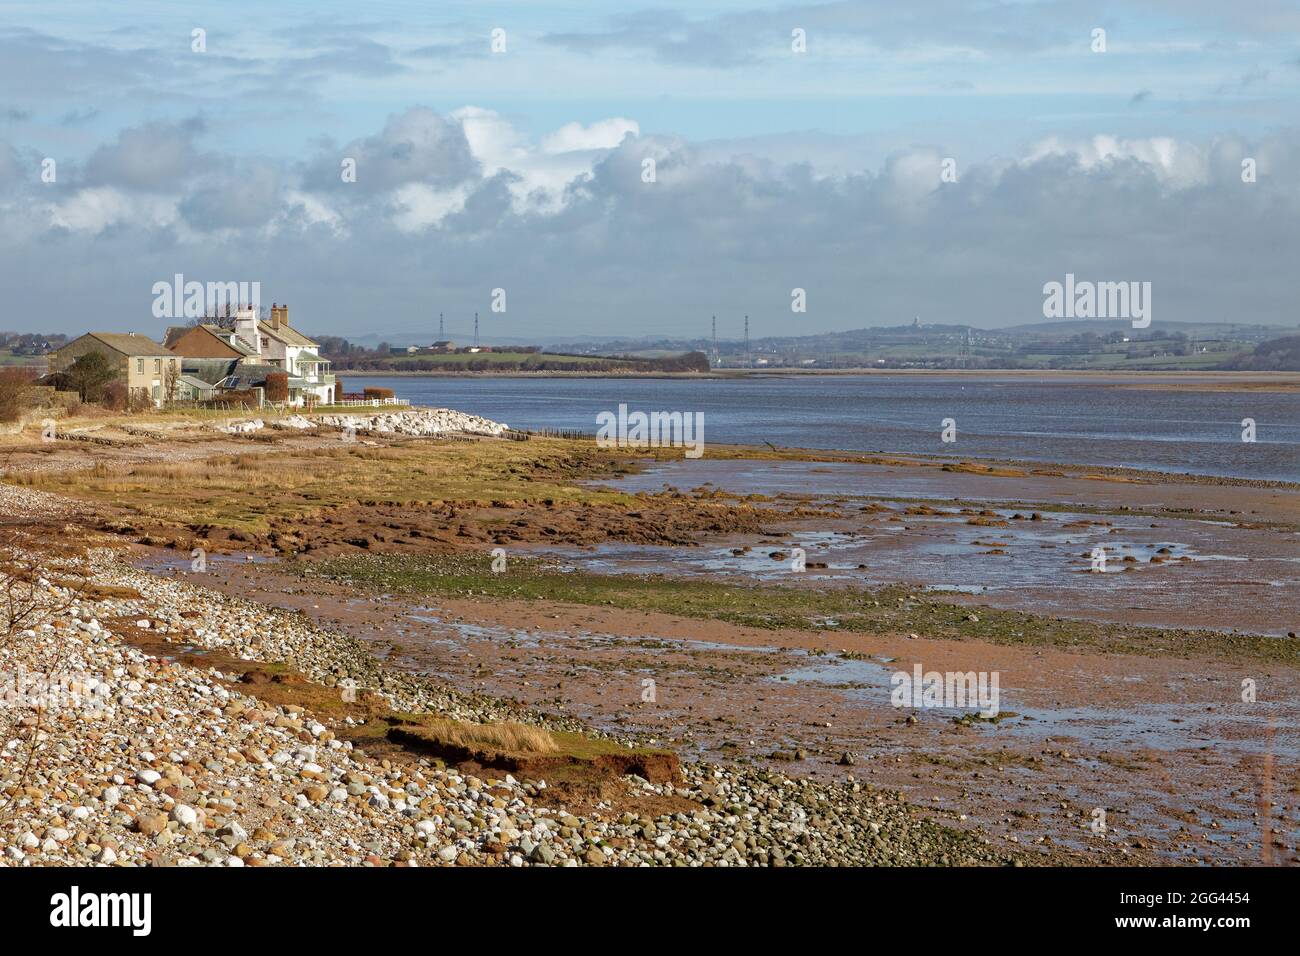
x,y
502,736
249,491
457,358
887,610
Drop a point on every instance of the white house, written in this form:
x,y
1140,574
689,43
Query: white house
x,y
277,343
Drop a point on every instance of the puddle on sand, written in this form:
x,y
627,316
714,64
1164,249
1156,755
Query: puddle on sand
x,y
1170,727
524,637
1155,726
1042,566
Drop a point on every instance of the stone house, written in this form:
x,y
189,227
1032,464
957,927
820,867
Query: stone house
x,y
149,369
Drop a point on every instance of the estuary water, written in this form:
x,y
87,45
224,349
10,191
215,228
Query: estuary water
x,y
1058,419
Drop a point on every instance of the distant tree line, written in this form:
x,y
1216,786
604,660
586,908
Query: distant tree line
x,y
30,343
1275,355
536,362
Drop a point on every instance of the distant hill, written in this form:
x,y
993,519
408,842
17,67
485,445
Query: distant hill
x,y
1067,328
871,338
514,361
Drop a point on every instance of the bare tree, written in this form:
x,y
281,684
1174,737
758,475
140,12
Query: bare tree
x,y
171,381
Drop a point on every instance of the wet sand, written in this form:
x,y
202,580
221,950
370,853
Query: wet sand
x,y
1174,555
1184,770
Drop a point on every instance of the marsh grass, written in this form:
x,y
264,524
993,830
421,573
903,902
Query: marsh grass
x,y
502,736
885,610
248,491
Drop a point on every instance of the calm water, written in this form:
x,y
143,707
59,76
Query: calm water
x,y
1061,420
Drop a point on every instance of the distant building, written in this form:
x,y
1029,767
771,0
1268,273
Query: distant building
x,y
148,369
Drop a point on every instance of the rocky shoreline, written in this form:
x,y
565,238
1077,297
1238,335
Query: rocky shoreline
x,y
422,422
144,760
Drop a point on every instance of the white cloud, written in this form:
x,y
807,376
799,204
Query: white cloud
x,y
1178,164
96,208
602,134
417,206
539,174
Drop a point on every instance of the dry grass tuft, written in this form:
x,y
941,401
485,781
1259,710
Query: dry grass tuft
x,y
501,736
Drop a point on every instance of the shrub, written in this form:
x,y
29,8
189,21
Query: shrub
x,y
247,396
376,392
112,395
91,374
277,387
15,392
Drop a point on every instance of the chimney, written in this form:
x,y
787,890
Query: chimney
x,y
246,328
279,315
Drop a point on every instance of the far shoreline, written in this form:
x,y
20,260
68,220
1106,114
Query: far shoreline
x,y
1213,380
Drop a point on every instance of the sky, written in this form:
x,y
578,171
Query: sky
x,y
597,169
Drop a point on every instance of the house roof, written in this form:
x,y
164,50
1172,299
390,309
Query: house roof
x,y
210,370
128,343
227,337
197,383
239,382
286,334
310,357
230,338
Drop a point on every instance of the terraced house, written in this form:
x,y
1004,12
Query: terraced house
x,y
151,371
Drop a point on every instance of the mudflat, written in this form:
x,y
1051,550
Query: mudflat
x,y
656,598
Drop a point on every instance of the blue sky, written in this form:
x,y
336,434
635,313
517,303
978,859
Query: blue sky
x,y
779,169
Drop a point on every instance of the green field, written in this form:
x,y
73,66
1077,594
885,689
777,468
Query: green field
x,y
36,361
522,358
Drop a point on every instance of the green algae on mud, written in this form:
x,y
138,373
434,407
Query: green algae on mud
x,y
885,610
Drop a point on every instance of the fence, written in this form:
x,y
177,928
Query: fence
x,y
367,402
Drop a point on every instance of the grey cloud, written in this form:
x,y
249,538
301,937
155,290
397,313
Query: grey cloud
x,y
245,196
32,60
153,158
716,233
1244,82
741,38
417,146
78,117
469,48
350,56
998,27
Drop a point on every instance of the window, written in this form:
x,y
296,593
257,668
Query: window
x,y
157,366
139,366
